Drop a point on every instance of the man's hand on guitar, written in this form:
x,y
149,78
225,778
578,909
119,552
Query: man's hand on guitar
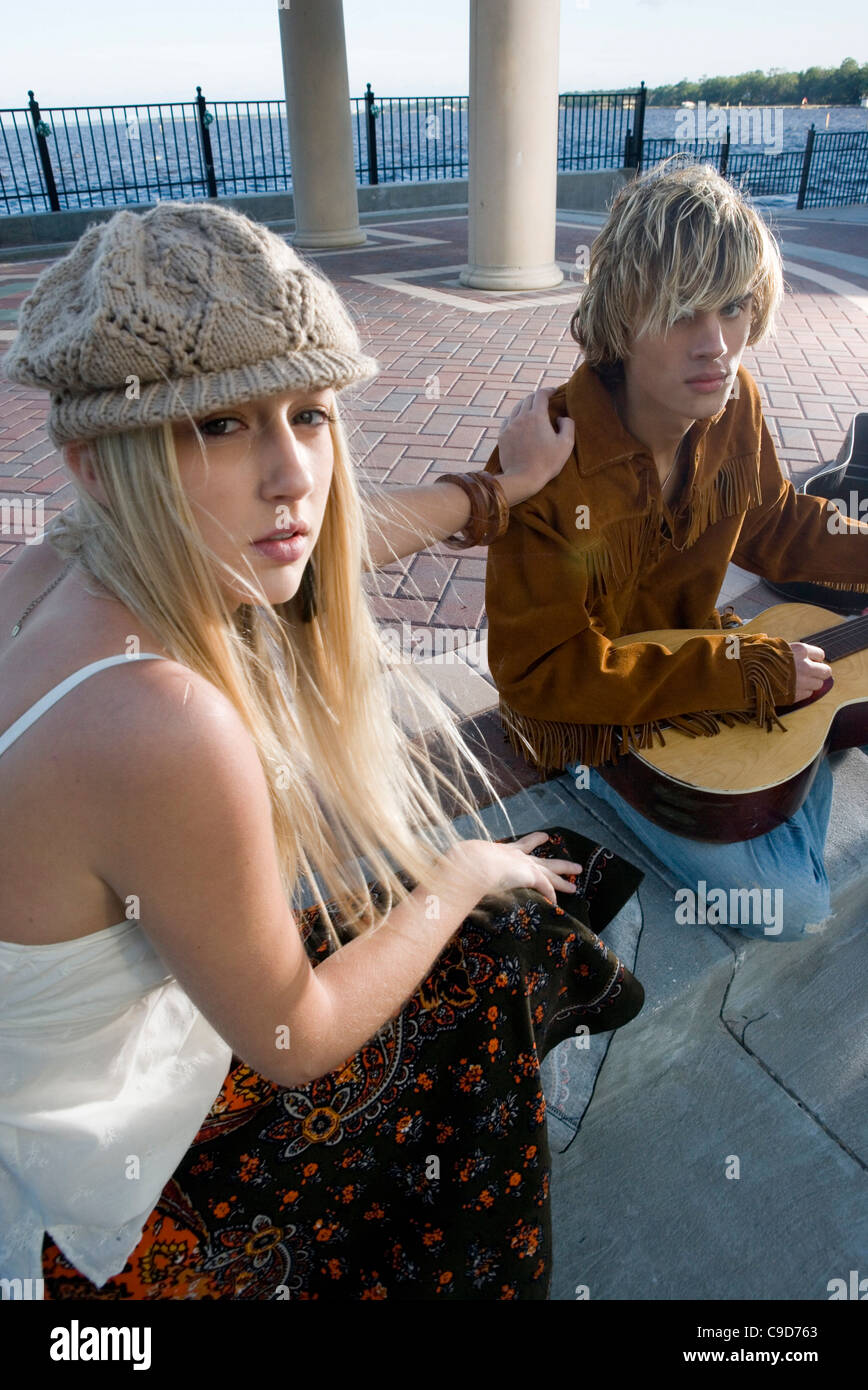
x,y
811,669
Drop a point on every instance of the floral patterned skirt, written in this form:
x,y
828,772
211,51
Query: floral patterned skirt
x,y
420,1168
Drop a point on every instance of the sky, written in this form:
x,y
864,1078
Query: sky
x,y
94,52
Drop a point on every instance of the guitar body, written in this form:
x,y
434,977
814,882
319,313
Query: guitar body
x,y
744,781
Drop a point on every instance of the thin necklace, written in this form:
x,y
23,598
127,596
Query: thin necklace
x,y
17,628
618,401
678,459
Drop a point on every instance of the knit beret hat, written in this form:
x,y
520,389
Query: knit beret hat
x,y
173,312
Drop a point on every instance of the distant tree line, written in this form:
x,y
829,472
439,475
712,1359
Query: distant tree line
x,y
841,86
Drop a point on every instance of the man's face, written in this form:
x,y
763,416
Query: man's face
x,y
269,468
687,373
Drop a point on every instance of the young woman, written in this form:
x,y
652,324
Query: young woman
x,y
210,1091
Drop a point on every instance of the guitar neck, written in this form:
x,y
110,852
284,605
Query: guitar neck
x,y
842,640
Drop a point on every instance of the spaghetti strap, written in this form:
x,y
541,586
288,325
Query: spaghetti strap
x,y
39,708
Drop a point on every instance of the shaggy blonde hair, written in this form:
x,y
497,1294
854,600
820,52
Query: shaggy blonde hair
x,y
678,239
319,698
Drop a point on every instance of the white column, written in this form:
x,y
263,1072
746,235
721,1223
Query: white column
x,y
314,54
512,195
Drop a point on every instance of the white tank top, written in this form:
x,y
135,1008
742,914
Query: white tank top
x,y
107,1070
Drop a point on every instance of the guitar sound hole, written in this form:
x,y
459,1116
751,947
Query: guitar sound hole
x,y
811,699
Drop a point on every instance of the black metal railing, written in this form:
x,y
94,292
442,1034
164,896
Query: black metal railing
x,y
91,156
836,169
249,143
399,138
764,174
595,127
830,171
56,158
53,159
703,151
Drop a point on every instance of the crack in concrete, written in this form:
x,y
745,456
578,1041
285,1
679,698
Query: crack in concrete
x,y
758,1019
738,958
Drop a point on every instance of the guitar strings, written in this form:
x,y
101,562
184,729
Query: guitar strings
x,y
842,640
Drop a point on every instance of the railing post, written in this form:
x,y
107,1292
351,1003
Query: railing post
x,y
639,134
806,168
628,149
724,153
373,175
40,129
206,144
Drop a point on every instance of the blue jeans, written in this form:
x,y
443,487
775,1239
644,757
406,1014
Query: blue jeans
x,y
774,886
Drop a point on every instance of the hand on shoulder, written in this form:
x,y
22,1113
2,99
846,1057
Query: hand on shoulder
x,y
532,447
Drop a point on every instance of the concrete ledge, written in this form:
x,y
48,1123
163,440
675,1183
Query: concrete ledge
x,y
392,197
746,1049
642,1204
591,190
50,233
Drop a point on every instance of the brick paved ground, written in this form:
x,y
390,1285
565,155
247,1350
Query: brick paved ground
x,y
702,990
454,362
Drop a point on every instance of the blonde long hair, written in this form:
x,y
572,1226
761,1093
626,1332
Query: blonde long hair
x,y
320,698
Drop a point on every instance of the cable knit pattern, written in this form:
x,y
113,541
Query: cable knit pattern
x,y
203,306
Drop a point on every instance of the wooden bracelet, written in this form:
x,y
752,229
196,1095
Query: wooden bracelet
x,y
479,509
499,508
489,509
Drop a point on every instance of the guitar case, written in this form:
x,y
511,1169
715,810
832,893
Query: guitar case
x,y
847,475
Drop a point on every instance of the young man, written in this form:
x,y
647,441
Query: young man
x,y
673,475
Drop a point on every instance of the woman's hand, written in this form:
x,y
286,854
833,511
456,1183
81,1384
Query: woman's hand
x,y
499,868
531,449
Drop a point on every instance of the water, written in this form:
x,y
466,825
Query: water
x,y
97,161
795,120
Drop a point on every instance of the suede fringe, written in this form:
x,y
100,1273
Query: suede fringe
x,y
550,745
763,669
734,489
627,547
847,585
611,561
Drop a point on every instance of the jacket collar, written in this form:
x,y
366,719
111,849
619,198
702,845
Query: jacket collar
x,y
601,439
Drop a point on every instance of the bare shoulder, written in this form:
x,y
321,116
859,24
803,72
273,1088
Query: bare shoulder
x,y
168,757
163,710
33,565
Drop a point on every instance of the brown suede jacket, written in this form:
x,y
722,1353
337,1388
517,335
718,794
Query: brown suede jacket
x,y
596,554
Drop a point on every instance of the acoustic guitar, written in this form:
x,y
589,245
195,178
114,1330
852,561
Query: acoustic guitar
x,y
744,781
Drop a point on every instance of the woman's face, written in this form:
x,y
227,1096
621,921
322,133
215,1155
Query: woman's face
x,y
269,469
